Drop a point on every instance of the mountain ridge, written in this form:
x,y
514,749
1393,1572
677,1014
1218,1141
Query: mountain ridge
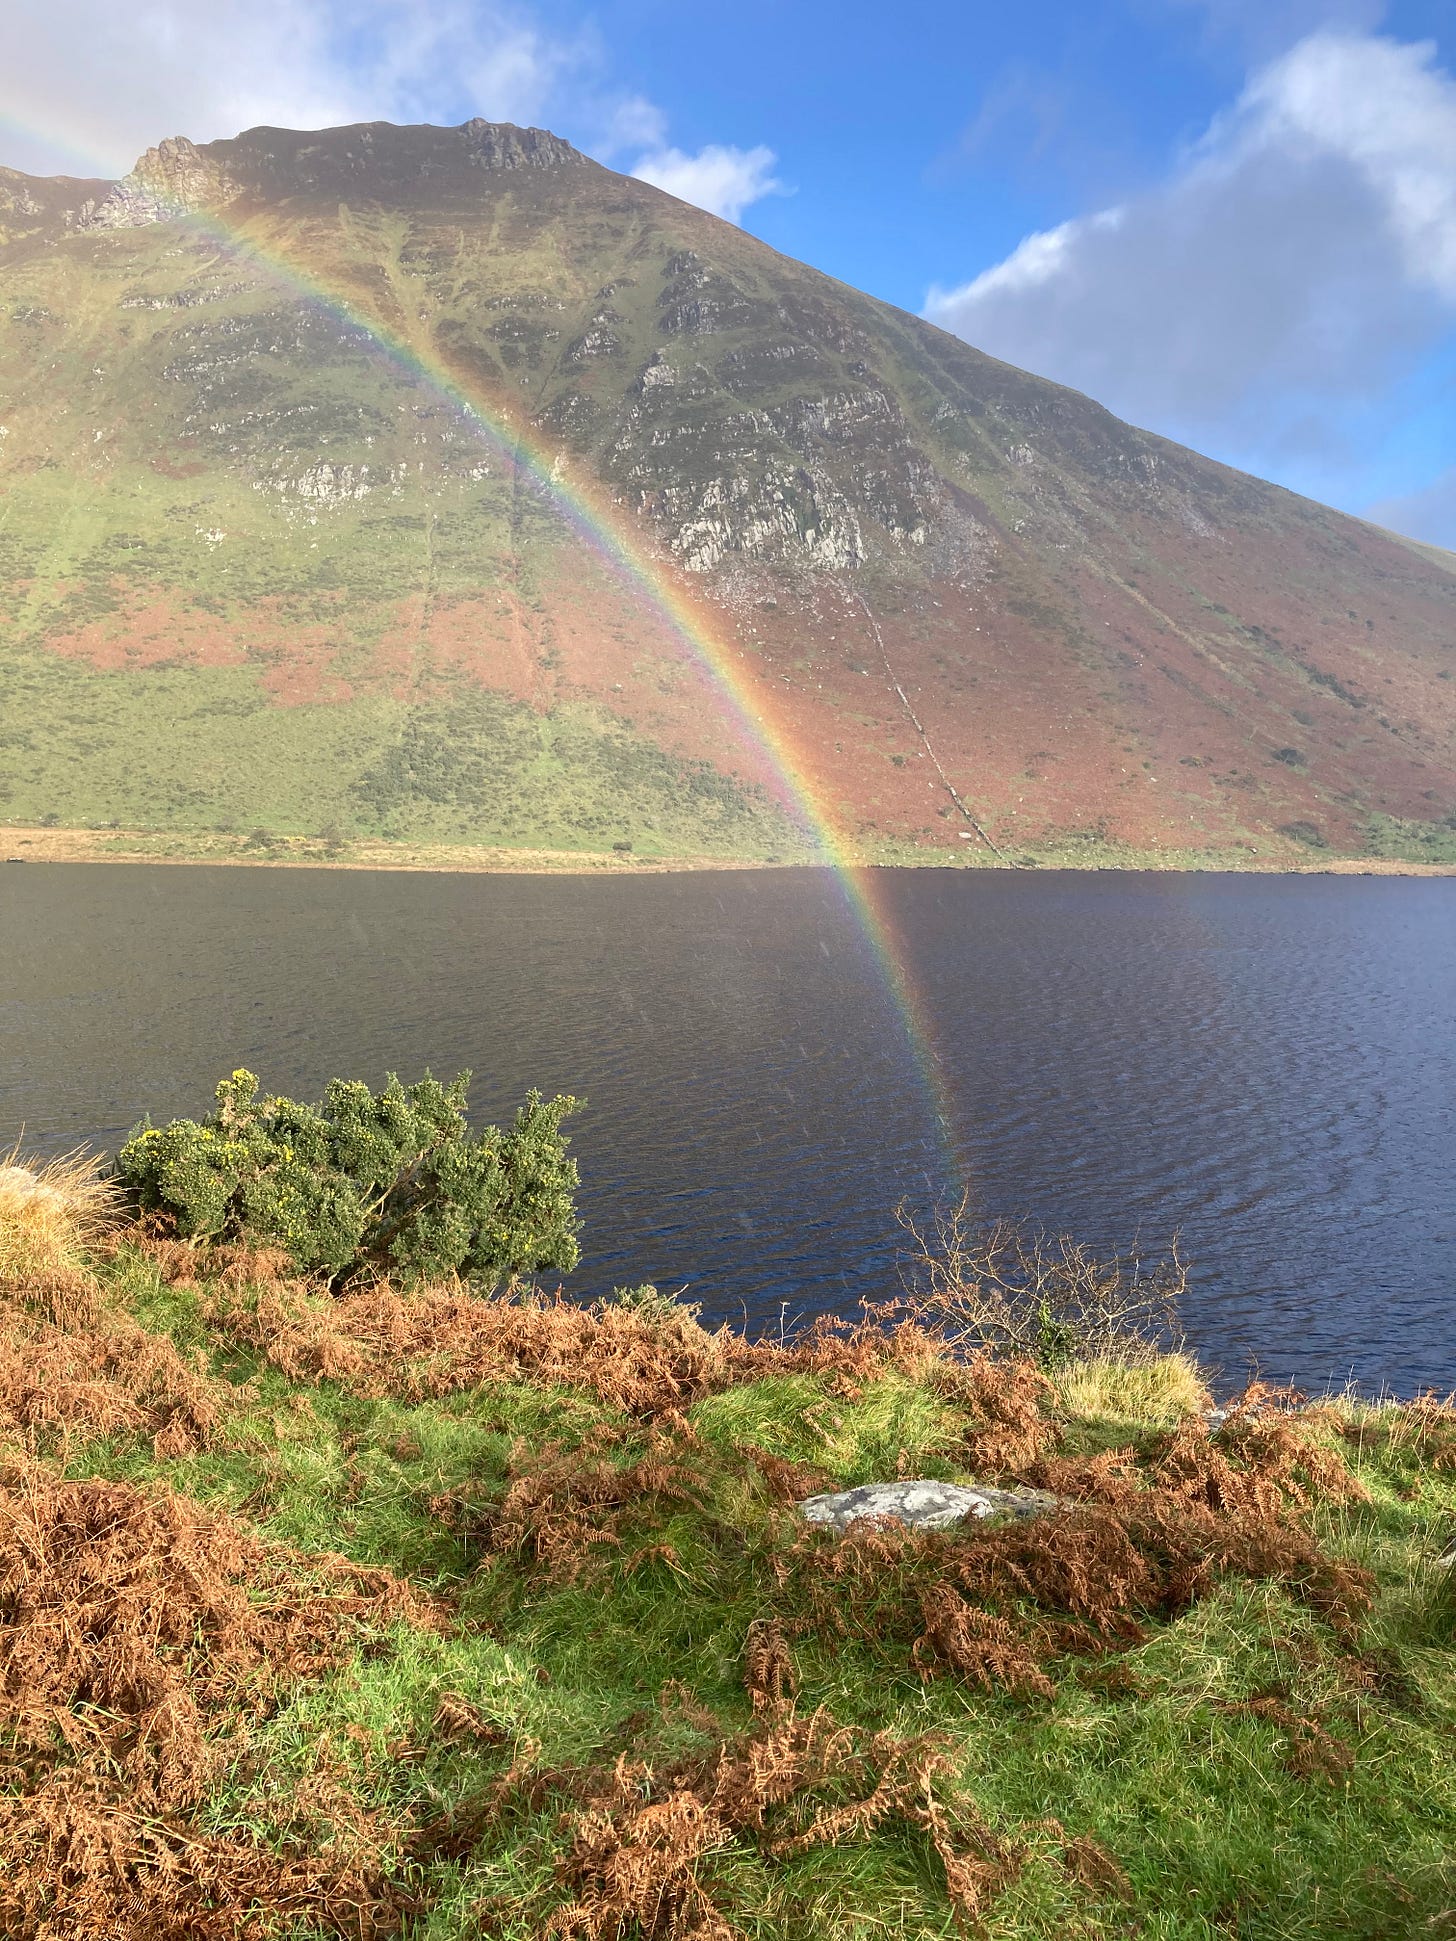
x,y
948,578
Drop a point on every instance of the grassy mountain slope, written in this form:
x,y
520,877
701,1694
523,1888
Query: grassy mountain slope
x,y
254,570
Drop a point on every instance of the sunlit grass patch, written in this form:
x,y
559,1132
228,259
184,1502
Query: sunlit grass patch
x,y
1440,1602
1152,1391
893,1427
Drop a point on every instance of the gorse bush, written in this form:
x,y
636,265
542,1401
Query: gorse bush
x,y
393,1180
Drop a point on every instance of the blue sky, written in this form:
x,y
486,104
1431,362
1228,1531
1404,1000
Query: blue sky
x,y
1232,222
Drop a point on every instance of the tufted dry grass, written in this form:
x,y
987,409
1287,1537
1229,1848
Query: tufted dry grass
x,y
51,1210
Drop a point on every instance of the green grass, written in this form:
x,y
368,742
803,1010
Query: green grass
x,y
1146,1751
1413,842
194,750
1154,1391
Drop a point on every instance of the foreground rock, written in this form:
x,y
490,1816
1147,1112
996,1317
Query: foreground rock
x,y
923,1505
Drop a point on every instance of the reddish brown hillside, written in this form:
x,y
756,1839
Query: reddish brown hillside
x,y
255,568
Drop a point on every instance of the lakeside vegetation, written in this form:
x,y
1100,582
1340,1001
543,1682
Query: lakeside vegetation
x,y
360,1604
267,849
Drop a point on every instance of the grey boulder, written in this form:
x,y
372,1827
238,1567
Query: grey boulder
x,y
923,1505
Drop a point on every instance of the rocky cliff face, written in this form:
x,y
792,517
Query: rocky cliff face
x,y
42,207
956,584
174,179
177,178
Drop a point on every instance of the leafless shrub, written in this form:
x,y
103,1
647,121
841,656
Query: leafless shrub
x,y
1001,1286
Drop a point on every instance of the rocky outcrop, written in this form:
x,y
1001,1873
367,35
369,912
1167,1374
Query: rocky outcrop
x,y
698,301
327,484
923,1505
788,511
32,206
599,339
173,179
177,177
497,144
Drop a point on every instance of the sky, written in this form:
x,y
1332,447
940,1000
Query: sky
x,y
1230,221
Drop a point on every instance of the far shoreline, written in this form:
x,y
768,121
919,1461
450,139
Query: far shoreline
x,y
47,845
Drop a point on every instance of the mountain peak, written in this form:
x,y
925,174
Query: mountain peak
x,y
179,175
970,598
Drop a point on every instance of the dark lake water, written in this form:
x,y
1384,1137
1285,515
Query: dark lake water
x,y
1265,1063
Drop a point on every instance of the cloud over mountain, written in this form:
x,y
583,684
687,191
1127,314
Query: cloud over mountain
x,y
1296,262
722,180
177,68
1428,514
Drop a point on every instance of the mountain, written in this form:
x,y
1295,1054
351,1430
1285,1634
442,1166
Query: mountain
x,y
259,566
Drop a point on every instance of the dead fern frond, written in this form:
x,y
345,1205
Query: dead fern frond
x,y
71,1364
643,1840
1091,1866
456,1719
138,1631
768,1666
985,1650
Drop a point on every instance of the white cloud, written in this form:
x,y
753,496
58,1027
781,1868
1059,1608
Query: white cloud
x,y
1390,113
724,181
494,60
1295,262
87,85
1263,28
1036,260
633,123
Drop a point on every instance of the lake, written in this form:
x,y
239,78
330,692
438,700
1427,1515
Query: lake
x,y
1264,1063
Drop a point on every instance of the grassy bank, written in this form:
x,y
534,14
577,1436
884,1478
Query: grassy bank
x,y
254,849
413,1612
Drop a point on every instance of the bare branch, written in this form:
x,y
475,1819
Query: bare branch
x,y
1003,1286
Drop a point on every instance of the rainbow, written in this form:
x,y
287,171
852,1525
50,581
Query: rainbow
x,y
602,528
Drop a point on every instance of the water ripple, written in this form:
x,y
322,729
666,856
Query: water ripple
x,y
1264,1063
